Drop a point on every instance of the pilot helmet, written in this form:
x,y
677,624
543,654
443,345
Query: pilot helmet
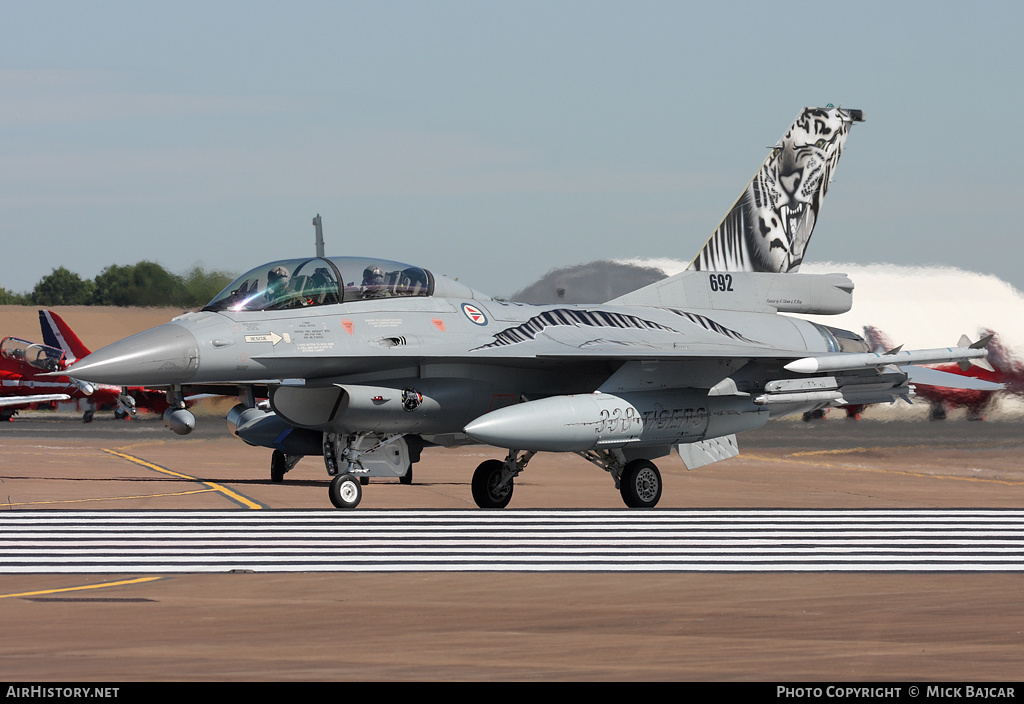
x,y
278,275
372,275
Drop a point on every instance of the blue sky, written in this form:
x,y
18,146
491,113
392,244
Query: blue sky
x,y
493,141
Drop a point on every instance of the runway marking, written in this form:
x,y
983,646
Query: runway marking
x,y
672,540
106,498
231,494
790,458
934,446
122,583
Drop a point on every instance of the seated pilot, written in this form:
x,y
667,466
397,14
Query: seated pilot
x,y
373,283
277,284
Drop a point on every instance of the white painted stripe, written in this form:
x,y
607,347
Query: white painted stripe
x,y
965,540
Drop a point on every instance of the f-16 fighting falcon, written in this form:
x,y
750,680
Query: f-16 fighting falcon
x,y
366,362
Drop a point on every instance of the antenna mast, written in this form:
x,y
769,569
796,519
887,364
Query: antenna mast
x,y
319,236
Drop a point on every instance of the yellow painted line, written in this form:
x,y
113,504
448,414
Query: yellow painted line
x,y
214,486
140,580
105,498
881,448
876,470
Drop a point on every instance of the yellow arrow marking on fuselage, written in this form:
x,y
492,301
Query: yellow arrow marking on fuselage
x,y
271,337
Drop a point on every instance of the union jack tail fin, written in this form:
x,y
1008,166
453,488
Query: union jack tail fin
x,y
56,333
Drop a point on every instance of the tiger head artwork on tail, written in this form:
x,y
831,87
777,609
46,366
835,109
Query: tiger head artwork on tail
x,y
768,228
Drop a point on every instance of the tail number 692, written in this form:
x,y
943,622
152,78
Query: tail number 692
x,y
721,282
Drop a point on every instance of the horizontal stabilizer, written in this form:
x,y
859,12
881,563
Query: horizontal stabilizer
x,y
698,454
936,377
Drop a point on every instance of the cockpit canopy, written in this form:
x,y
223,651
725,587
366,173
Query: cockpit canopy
x,y
43,357
298,283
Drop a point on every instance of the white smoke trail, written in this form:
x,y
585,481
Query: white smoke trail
x,y
928,306
921,307
915,306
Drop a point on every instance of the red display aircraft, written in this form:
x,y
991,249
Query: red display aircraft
x,y
59,337
21,362
1004,370
26,378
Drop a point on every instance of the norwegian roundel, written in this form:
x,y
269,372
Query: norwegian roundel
x,y
474,314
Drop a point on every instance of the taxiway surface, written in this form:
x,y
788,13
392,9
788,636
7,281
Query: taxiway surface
x,y
776,626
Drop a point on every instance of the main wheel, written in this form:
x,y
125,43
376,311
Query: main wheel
x,y
407,477
486,492
345,491
278,466
640,484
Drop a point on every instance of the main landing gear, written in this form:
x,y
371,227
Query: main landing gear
x,y
493,480
351,459
281,464
638,480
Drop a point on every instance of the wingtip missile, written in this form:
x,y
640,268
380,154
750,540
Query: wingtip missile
x,y
963,353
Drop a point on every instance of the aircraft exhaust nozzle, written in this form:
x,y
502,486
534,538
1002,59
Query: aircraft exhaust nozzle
x,y
180,421
168,354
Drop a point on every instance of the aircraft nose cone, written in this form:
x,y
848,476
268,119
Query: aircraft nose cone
x,y
168,354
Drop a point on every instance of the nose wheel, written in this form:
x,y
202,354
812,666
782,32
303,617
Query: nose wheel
x,y
345,491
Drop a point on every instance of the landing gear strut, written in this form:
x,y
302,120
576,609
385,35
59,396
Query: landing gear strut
x,y
354,458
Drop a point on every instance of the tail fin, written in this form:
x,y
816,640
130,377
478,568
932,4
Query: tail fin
x,y
876,339
56,333
999,355
770,225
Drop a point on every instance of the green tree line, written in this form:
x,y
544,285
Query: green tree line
x,y
144,284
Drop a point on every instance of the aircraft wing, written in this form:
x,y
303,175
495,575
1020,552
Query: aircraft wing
x,y
38,398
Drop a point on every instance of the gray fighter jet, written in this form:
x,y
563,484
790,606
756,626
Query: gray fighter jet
x,y
366,362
